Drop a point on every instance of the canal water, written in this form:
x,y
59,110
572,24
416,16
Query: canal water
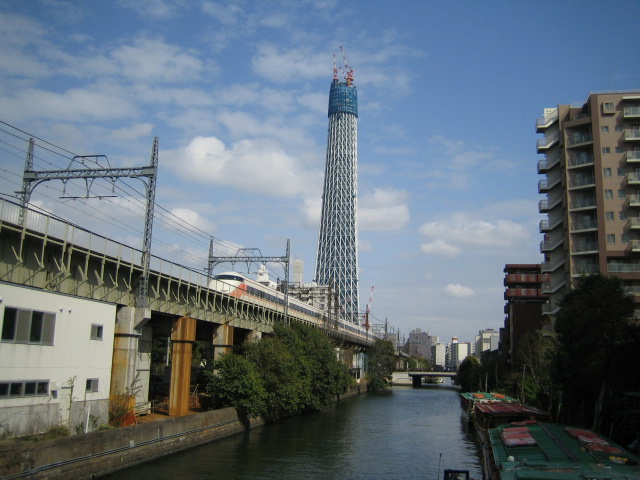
x,y
399,433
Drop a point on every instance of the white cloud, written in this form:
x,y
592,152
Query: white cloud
x,y
440,248
298,63
467,229
193,218
257,166
385,209
133,131
458,291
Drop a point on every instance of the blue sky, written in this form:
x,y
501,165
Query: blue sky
x,y
237,93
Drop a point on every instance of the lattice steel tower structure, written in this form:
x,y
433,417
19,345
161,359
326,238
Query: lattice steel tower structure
x,y
337,259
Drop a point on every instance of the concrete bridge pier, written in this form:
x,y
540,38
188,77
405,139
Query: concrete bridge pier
x,y
223,340
183,335
125,379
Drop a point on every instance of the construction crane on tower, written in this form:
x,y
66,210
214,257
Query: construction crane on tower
x,y
368,310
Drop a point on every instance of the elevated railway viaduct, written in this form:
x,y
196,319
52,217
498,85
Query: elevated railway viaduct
x,y
47,254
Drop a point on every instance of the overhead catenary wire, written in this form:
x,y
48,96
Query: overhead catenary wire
x,y
133,202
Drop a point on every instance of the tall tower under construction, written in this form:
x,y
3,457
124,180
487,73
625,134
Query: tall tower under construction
x,y
337,259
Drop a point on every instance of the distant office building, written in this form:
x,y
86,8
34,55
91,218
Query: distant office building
x,y
523,310
438,355
456,353
486,340
419,344
592,192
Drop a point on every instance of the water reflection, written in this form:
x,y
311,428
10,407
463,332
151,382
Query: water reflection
x,y
398,433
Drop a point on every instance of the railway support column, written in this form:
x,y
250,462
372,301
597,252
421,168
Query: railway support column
x,y
223,340
183,336
125,380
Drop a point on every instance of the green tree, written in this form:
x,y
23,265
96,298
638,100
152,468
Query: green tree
x,y
236,383
468,375
593,326
381,362
535,357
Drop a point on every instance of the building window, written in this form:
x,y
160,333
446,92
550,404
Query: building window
x,y
621,172
619,128
606,172
96,332
623,215
624,238
609,216
92,385
607,107
622,193
606,150
619,150
611,238
608,194
604,129
24,388
28,326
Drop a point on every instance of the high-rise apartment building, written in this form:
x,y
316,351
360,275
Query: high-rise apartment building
x,y
337,259
592,191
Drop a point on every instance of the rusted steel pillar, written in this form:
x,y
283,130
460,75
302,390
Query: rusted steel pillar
x,y
182,337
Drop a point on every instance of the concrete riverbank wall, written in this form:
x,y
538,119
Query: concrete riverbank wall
x,y
95,454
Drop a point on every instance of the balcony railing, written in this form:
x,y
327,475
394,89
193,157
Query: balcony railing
x,y
580,160
545,122
632,135
579,139
585,247
634,222
631,112
587,202
633,178
584,225
634,246
582,181
623,267
586,269
547,142
633,200
632,156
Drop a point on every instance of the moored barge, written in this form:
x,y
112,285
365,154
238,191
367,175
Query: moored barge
x,y
546,451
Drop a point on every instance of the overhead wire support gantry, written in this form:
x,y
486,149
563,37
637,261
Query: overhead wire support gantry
x,y
249,259
147,174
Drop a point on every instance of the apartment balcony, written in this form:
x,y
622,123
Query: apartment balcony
x,y
633,223
522,293
579,140
632,156
545,122
546,245
583,203
587,248
623,267
586,269
631,112
552,286
548,163
547,184
577,182
548,267
584,226
634,246
512,278
632,290
633,178
550,309
546,143
632,135
633,200
547,226
580,160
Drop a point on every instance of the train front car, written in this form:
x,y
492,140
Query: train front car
x,y
230,282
